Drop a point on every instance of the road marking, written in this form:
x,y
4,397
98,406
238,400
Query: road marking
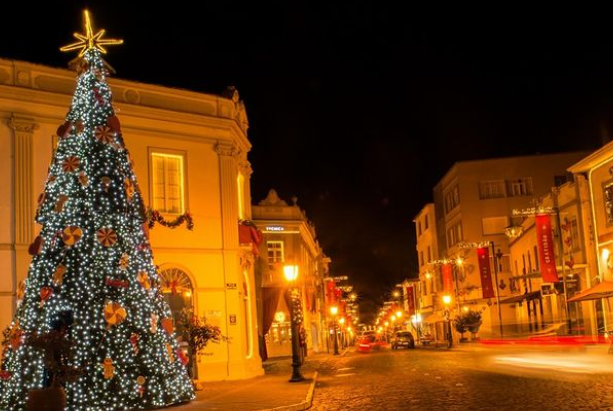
x,y
345,375
346,368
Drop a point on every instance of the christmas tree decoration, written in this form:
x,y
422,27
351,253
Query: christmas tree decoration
x,y
168,325
59,205
36,247
108,369
93,260
58,275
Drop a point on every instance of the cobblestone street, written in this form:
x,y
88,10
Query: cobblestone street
x,y
459,379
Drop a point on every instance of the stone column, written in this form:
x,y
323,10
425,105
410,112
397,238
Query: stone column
x,y
23,136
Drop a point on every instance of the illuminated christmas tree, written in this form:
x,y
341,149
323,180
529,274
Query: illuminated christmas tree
x,y
92,281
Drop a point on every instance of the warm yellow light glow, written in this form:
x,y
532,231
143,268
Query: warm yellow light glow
x,y
459,261
398,314
342,320
428,275
379,330
604,256
280,316
386,324
334,310
393,318
187,294
465,308
89,40
446,299
290,272
416,318
396,294
349,329
353,296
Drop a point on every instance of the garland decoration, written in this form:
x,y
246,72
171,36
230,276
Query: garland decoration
x,y
154,216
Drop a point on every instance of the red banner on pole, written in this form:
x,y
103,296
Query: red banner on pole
x,y
544,239
447,279
330,295
410,300
486,274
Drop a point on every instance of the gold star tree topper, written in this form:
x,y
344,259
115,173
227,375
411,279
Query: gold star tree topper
x,y
89,40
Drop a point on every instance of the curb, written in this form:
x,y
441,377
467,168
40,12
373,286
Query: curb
x,y
303,405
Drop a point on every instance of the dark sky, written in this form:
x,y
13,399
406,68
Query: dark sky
x,y
359,109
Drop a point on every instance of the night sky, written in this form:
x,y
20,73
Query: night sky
x,y
359,109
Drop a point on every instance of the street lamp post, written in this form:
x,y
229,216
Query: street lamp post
x,y
334,312
448,337
291,273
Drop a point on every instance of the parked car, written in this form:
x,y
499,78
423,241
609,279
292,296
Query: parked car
x,y
403,339
370,341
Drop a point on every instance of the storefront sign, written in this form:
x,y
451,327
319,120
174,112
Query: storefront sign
x,y
275,228
544,239
486,274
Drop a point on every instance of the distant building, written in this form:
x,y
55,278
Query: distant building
x,y
473,204
190,155
289,238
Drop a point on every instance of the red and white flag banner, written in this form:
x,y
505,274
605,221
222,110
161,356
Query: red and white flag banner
x,y
544,239
485,272
447,278
410,293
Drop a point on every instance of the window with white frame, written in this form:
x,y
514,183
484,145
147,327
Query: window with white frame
x,y
168,182
452,199
519,187
275,252
491,189
454,234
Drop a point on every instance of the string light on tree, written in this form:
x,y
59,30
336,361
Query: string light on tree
x,y
92,262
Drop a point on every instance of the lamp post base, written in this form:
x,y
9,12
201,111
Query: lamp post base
x,y
296,374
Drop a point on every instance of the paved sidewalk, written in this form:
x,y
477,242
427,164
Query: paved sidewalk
x,y
272,391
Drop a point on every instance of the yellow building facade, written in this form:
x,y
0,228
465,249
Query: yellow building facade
x,y
190,155
473,203
290,238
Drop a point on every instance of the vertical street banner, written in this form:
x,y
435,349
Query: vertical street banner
x,y
330,294
544,239
485,272
410,293
447,278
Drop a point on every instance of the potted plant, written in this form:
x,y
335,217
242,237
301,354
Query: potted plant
x,y
473,323
196,333
459,324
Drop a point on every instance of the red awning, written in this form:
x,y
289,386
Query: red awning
x,y
601,290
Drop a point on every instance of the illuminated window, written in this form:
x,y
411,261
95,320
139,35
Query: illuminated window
x,y
275,252
167,183
240,185
519,187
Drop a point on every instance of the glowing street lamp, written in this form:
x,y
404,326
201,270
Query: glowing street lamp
x,y
334,313
291,274
447,302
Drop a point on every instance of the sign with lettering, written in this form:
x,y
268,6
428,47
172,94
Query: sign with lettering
x,y
275,228
231,286
485,272
232,319
544,239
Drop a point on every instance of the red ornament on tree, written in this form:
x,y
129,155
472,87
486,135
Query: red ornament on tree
x,y
113,123
63,131
36,247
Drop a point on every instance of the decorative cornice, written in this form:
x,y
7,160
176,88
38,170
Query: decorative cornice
x,y
227,149
245,168
22,125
